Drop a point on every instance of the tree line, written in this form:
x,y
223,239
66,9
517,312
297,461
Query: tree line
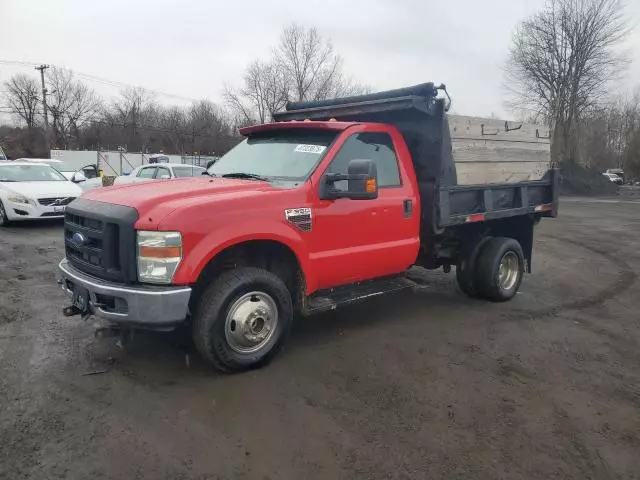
x,y
563,64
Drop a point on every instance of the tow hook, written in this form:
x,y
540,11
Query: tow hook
x,y
71,311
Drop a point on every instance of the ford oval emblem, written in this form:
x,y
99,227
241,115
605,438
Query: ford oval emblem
x,y
78,239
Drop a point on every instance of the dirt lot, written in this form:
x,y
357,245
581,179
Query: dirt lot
x,y
419,385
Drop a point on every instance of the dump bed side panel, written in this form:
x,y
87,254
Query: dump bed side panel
x,y
491,151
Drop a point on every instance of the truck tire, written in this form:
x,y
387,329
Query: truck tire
x,y
499,269
242,319
466,269
4,220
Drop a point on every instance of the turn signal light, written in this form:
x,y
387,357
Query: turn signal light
x,y
160,252
370,185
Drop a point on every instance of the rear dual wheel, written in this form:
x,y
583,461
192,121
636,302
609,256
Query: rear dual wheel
x,y
493,270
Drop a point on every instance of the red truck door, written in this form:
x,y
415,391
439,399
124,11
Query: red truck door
x,y
354,240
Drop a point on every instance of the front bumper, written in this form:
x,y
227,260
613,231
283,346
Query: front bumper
x,y
136,305
28,211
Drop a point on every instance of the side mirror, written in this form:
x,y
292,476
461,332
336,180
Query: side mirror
x,y
78,177
164,177
362,182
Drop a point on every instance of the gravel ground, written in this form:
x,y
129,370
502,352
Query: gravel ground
x,y
418,385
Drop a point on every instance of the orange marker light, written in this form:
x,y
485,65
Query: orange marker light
x,y
160,252
370,186
477,217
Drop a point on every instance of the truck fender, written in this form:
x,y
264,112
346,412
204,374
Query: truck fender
x,y
199,256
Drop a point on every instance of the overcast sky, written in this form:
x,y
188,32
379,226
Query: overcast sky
x,y
192,48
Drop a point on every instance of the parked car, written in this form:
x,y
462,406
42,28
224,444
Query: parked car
x,y
32,191
616,171
613,178
86,177
330,205
163,171
158,158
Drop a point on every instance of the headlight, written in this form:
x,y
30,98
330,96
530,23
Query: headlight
x,y
159,254
17,198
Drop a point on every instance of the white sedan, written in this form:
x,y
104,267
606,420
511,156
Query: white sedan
x,y
32,191
161,171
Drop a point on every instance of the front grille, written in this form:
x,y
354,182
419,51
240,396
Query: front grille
x,y
91,223
59,201
100,239
51,214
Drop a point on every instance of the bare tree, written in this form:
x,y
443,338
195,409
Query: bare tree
x,y
72,104
304,67
311,66
264,92
136,115
23,101
309,61
22,98
561,61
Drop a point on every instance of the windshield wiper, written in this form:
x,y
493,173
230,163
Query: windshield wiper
x,y
252,176
1,180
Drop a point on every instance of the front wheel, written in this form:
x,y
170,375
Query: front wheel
x,y
500,269
243,319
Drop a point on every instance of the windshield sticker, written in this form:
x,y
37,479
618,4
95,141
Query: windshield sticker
x,y
316,149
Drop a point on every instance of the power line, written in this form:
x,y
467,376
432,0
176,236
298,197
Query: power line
x,y
16,63
102,80
116,83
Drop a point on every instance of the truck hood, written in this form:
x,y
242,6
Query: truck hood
x,y
161,197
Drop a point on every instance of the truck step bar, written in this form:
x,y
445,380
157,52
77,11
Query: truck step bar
x,y
327,300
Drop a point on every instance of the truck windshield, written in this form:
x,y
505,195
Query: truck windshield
x,y
283,155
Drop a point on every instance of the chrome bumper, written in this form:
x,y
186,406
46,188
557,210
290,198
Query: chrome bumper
x,y
136,305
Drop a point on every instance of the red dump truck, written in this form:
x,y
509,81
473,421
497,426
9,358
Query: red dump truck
x,y
331,203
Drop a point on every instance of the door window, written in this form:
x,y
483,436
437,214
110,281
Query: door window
x,y
368,146
147,172
163,172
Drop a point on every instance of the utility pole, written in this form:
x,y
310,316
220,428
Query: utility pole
x,y
42,68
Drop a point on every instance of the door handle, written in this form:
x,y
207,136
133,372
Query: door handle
x,y
408,208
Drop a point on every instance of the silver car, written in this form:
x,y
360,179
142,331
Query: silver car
x,y
160,171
